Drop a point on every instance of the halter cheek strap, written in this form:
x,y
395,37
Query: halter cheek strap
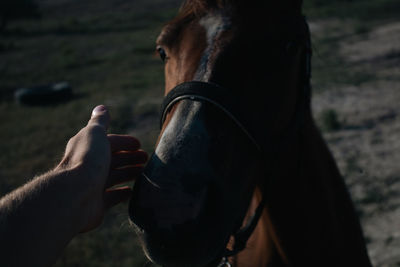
x,y
222,99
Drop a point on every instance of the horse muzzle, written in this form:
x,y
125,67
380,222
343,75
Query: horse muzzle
x,y
171,222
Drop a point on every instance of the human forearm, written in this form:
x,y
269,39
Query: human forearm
x,y
40,218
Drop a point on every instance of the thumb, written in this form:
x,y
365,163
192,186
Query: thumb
x,y
100,116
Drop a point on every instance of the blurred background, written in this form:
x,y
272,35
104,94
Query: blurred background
x,y
103,52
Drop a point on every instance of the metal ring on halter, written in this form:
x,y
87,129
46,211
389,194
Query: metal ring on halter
x,y
224,263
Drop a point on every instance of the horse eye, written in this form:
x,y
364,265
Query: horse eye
x,y
162,53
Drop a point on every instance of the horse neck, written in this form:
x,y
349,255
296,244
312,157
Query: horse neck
x,y
264,247
309,219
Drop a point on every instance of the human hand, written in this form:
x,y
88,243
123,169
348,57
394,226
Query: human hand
x,y
101,162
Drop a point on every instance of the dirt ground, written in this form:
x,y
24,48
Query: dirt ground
x,y
367,146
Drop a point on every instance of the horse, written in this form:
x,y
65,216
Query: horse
x,y
241,175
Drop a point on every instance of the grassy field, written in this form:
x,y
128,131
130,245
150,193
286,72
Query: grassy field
x,y
105,50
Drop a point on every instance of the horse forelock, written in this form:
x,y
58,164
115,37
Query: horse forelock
x,y
200,7
196,9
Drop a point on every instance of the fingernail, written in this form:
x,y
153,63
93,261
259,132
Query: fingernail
x,y
99,109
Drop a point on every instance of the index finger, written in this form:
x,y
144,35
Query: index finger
x,y
123,143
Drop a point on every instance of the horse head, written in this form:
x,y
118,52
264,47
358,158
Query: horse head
x,y
237,96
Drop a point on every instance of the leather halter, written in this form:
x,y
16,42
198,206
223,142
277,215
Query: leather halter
x,y
204,92
221,98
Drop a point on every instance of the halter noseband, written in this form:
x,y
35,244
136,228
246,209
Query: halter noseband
x,y
204,92
221,98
